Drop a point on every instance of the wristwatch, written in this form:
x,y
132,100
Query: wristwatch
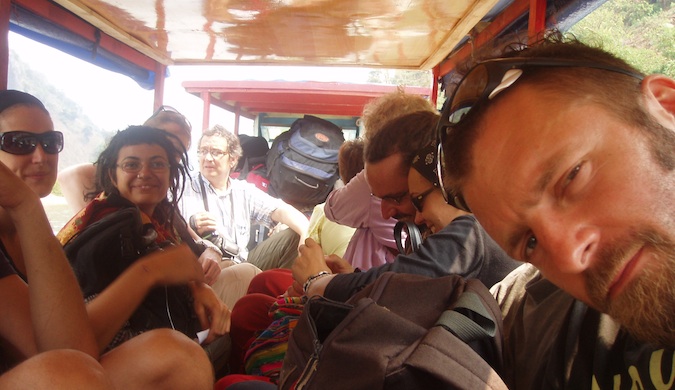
x,y
208,244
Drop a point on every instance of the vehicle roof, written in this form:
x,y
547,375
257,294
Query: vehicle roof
x,y
140,38
412,34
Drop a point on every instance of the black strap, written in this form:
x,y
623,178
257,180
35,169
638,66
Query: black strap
x,y
414,236
245,168
469,319
228,243
201,184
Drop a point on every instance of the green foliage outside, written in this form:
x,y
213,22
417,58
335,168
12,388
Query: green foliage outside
x,y
57,189
640,31
412,78
84,139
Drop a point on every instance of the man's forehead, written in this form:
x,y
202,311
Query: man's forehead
x,y
214,140
515,158
386,177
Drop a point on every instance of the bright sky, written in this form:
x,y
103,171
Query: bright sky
x,y
114,101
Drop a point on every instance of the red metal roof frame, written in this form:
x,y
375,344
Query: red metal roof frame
x,y
249,98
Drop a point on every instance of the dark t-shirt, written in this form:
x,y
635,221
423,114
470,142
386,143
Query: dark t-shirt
x,y
553,341
6,268
462,247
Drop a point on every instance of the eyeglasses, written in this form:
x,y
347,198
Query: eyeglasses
x,y
24,142
132,166
172,110
215,153
418,200
483,82
396,199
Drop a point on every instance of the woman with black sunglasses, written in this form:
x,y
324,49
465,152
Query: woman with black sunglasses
x,y
29,148
431,208
35,337
29,144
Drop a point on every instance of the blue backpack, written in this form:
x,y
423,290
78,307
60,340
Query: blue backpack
x,y
302,164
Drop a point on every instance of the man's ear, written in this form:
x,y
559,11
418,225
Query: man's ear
x,y
659,94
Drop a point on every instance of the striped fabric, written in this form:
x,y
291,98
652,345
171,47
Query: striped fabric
x,y
266,354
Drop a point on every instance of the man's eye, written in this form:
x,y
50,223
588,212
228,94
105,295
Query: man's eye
x,y
573,173
530,245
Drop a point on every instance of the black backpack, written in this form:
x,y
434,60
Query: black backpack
x,y
400,332
302,163
106,248
252,166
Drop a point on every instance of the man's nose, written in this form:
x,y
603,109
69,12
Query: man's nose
x,y
388,209
570,242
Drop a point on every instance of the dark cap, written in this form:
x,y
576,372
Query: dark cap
x,y
10,97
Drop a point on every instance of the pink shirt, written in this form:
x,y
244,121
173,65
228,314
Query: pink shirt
x,y
354,205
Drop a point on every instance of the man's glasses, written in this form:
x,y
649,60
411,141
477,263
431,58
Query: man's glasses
x,y
133,166
395,199
482,83
418,201
215,153
24,142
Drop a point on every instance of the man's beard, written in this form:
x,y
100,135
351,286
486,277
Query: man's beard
x,y
646,306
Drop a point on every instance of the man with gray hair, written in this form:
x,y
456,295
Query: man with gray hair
x,y
216,204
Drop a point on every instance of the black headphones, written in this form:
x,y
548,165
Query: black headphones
x,y
414,237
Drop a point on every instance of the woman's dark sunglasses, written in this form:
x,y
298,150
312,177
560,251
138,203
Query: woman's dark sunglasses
x,y
24,142
418,201
483,82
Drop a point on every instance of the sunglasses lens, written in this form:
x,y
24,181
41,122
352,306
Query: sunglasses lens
x,y
469,91
173,111
52,142
416,202
168,108
18,142
22,142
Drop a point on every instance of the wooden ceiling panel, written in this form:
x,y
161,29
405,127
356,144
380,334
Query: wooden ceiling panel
x,y
413,34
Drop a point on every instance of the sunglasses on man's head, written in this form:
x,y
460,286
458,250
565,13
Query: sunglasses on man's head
x,y
24,142
482,83
172,110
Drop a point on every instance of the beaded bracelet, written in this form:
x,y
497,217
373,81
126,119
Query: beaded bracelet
x,y
311,279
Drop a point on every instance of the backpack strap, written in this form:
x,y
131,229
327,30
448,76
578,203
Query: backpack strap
x,y
245,168
203,188
453,362
469,319
450,358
